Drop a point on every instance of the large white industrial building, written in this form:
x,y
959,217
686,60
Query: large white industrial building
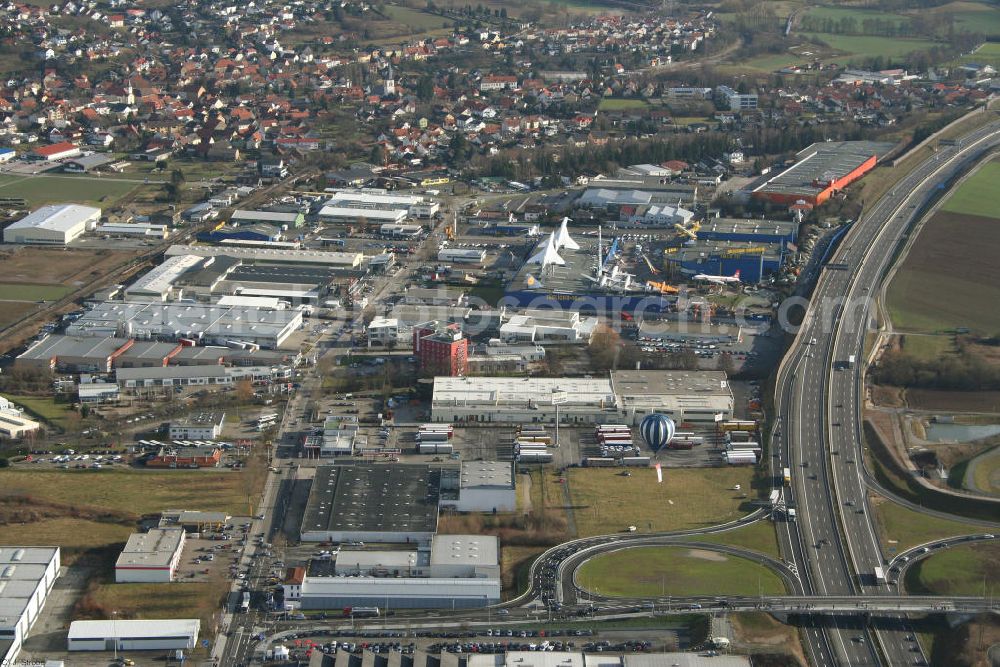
x,y
621,397
57,224
129,635
206,324
377,206
27,574
13,423
150,557
449,572
346,260
483,486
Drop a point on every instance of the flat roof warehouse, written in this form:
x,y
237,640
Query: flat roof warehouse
x,y
819,170
359,502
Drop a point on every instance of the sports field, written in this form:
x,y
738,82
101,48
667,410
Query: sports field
x,y
677,571
603,501
949,273
45,189
972,569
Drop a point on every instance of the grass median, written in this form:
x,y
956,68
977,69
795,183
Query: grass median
x,y
676,571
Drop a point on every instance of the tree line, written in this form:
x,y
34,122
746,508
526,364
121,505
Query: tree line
x,y
961,372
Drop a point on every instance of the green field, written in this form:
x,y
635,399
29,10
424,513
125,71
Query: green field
x,y
603,501
985,469
978,17
856,47
772,62
32,292
857,13
201,600
417,20
949,271
677,571
69,533
928,347
979,194
44,189
135,491
971,569
901,528
987,54
758,536
43,407
621,104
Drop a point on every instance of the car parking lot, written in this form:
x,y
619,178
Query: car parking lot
x,y
484,640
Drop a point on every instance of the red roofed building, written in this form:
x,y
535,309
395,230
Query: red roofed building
x,y
59,151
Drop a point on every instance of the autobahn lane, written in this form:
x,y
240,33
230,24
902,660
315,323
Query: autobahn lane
x,y
873,257
821,407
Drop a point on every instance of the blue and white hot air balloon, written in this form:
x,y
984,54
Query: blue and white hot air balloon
x,y
657,430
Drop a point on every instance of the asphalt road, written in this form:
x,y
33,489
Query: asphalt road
x,y
833,544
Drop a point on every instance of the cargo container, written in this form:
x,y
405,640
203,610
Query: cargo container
x,y
540,439
530,445
739,436
448,428
694,440
740,458
534,457
734,446
432,437
638,461
435,448
599,462
738,425
683,444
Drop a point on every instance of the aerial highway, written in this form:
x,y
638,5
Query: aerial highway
x,y
817,433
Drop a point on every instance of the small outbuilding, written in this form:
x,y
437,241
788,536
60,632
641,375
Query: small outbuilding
x,y
131,635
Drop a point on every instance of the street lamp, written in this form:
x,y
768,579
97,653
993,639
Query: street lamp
x,y
114,634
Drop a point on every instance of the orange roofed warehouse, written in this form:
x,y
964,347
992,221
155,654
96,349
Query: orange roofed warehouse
x,y
819,171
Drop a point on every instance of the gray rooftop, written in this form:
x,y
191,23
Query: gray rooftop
x,y
487,473
670,383
73,346
822,161
465,550
749,226
375,498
